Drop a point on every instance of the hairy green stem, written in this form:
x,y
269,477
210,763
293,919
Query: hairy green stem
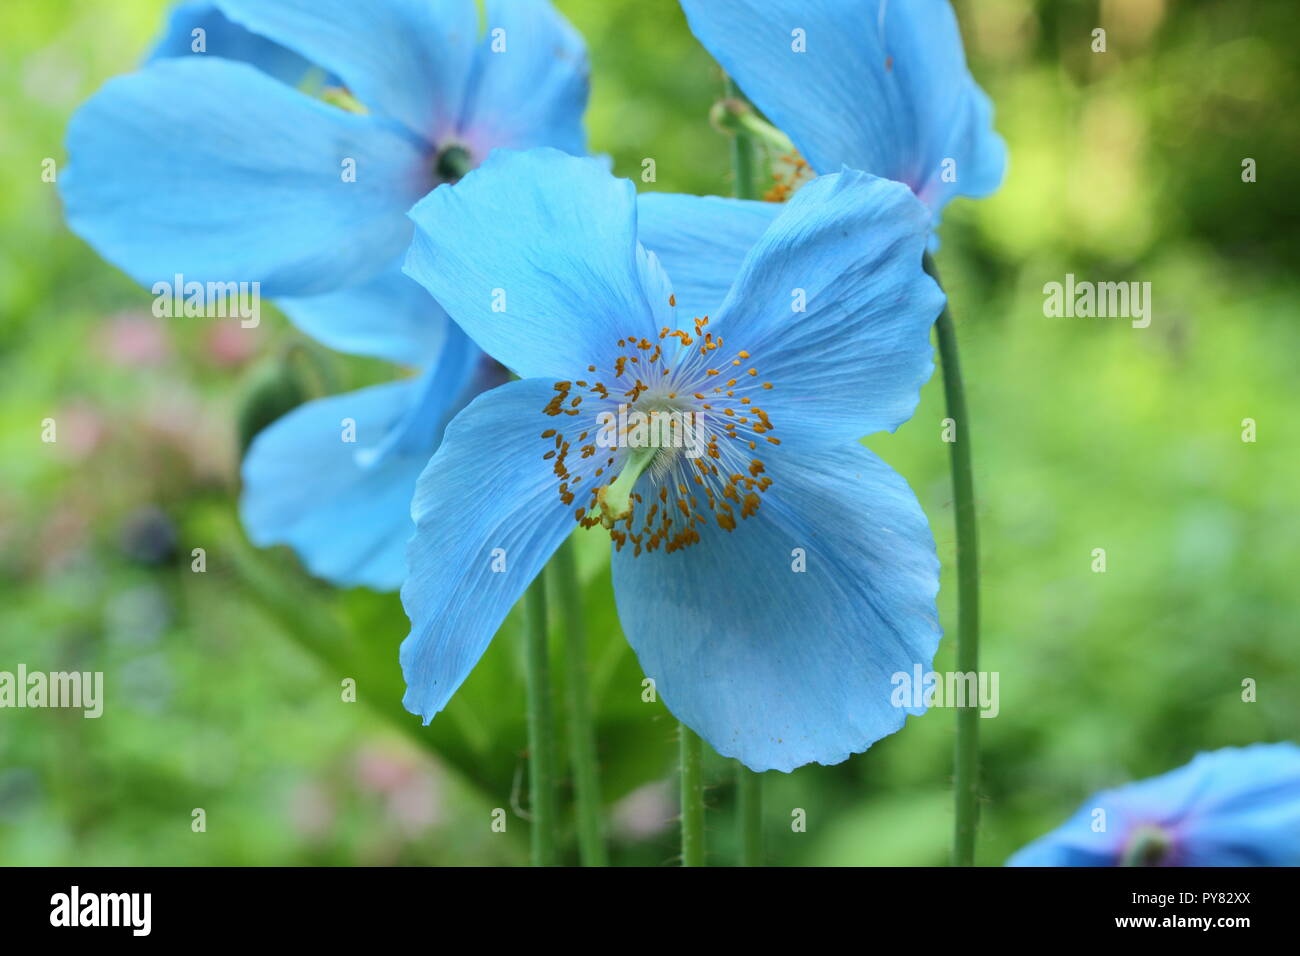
x,y
692,760
582,732
966,759
745,158
749,810
541,726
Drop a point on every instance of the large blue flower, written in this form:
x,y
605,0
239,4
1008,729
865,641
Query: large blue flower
x,y
770,586
219,162
876,85
1232,807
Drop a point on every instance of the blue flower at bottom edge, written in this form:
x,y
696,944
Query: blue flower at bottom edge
x,y
770,586
225,159
1231,807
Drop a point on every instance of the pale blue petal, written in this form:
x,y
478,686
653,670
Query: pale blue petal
x,y
779,667
848,250
535,255
701,242
877,85
408,59
221,38
212,169
531,81
390,317
487,517
344,507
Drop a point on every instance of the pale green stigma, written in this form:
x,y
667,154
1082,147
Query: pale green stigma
x,y
615,500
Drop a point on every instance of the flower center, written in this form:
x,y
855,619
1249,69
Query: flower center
x,y
674,418
452,163
1148,846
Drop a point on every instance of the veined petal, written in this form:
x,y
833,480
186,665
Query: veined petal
x,y
701,241
487,520
390,317
535,255
408,59
835,309
221,38
344,506
876,85
531,81
214,170
780,667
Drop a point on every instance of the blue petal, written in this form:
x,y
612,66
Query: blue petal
x,y
224,39
781,668
1075,843
214,170
345,507
531,88
1232,807
850,246
701,242
487,501
1235,807
390,317
535,255
408,59
882,87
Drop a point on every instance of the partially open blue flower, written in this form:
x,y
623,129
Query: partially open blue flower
x,y
770,585
228,159
876,85
1231,807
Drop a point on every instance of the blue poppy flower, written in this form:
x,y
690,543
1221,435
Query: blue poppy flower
x,y
214,161
197,27
875,85
1231,807
773,582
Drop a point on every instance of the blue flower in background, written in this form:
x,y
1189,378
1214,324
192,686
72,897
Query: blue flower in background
x,y
770,586
216,161
875,85
1231,807
872,85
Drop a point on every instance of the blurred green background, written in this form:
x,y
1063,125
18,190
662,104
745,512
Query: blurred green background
x,y
223,688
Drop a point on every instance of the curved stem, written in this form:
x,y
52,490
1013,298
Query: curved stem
x,y
966,762
541,727
692,760
582,734
744,154
745,160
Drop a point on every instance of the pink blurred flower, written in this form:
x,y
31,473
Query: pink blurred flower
x,y
231,344
134,339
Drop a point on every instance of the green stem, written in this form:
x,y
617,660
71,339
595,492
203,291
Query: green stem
x,y
734,115
749,791
692,756
749,785
966,763
744,155
541,727
582,733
